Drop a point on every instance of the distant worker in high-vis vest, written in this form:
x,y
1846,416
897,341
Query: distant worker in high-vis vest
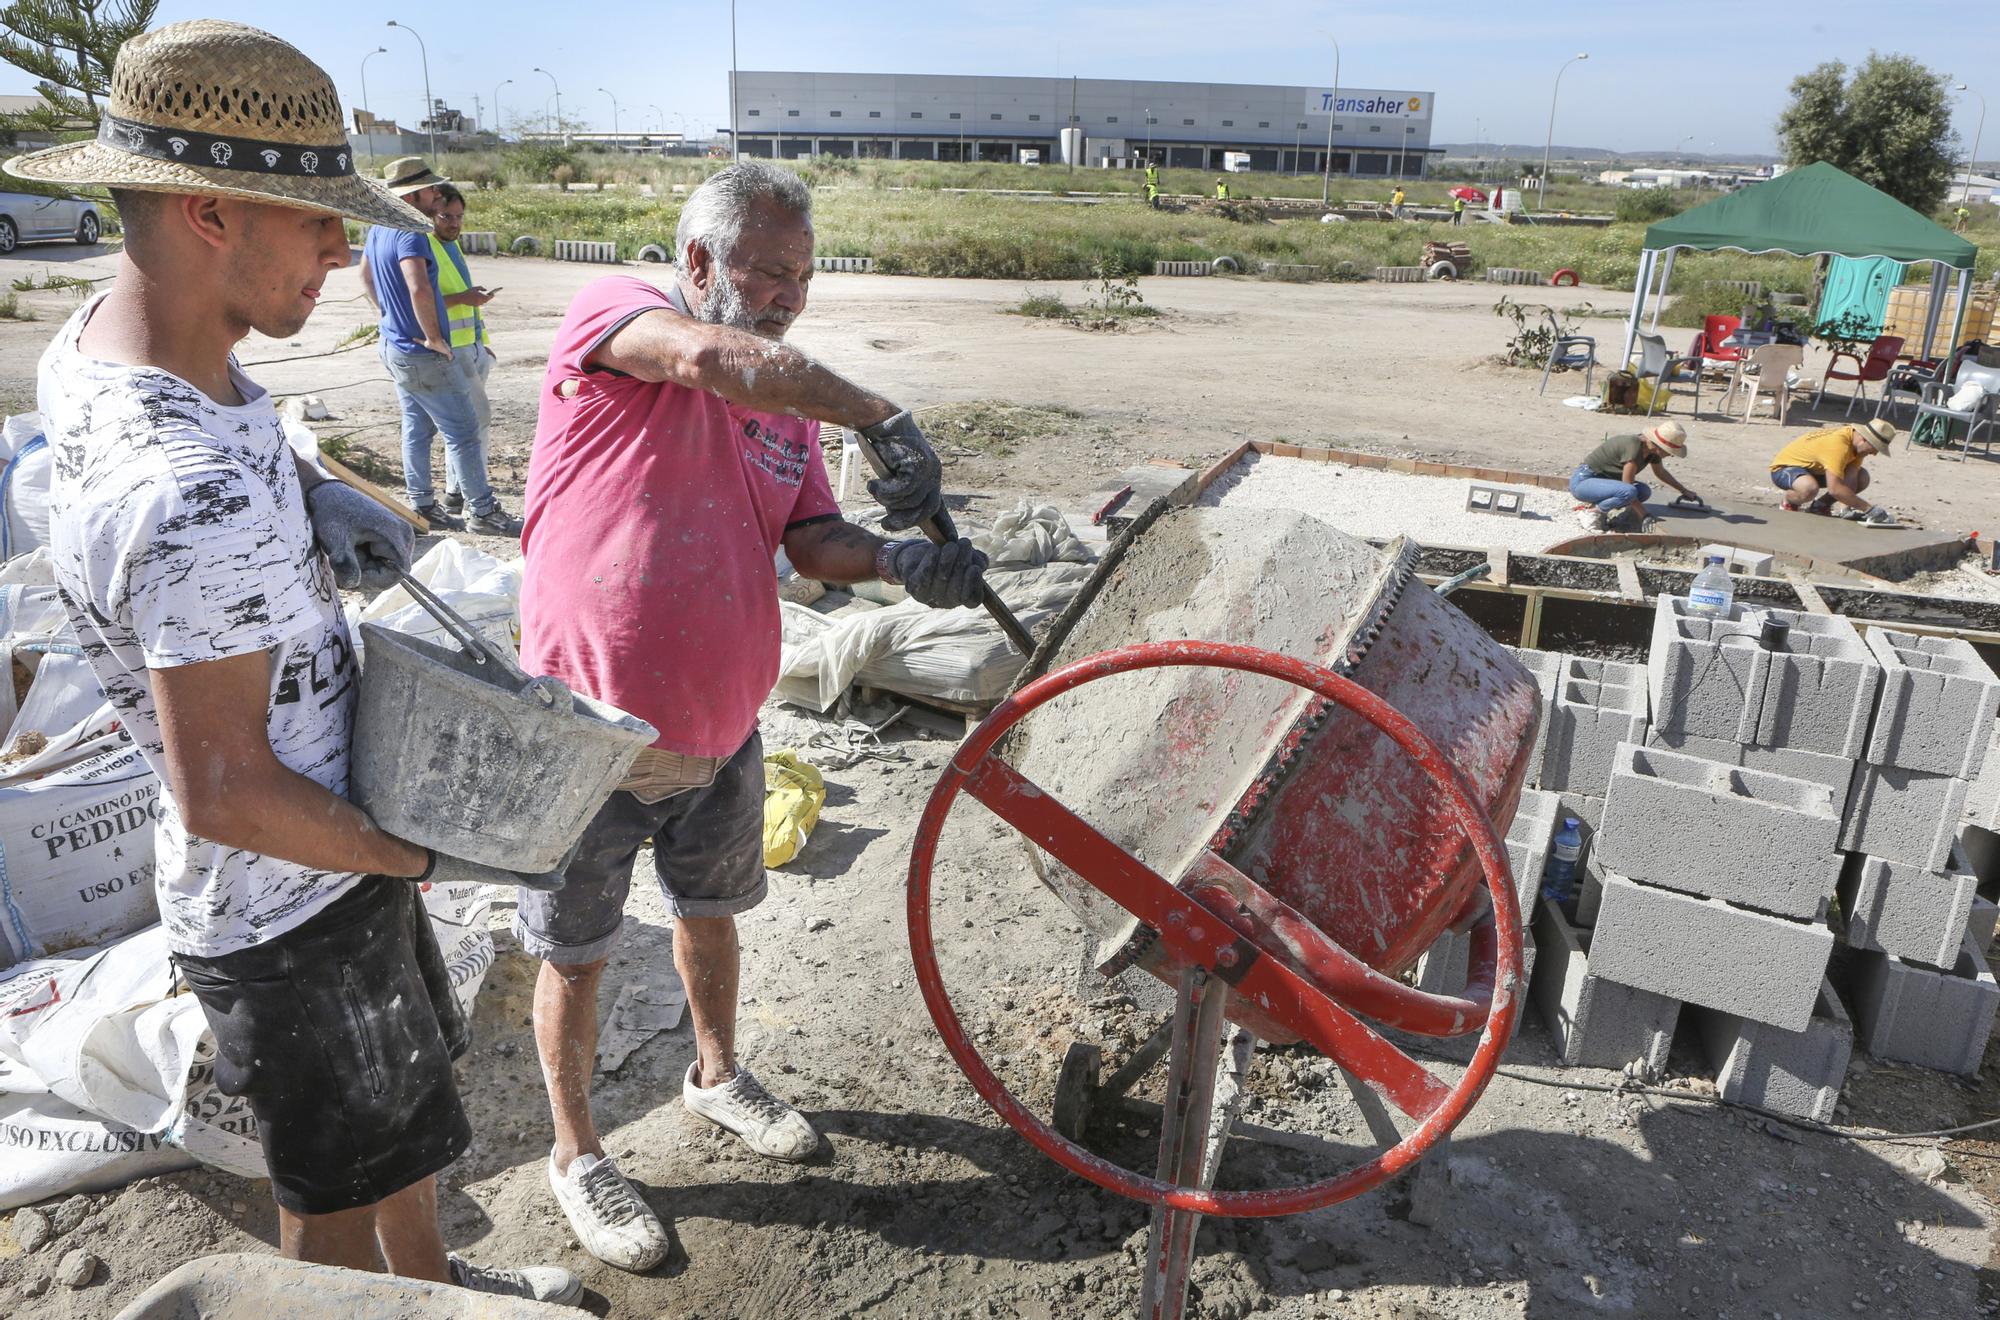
x,y
1457,211
471,352
1222,190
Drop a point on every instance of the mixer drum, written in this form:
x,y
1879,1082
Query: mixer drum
x,y
1304,797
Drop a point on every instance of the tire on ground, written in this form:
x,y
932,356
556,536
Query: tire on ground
x,y
1442,270
527,245
1221,264
1557,280
653,252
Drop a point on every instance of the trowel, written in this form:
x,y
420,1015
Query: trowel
x,y
938,531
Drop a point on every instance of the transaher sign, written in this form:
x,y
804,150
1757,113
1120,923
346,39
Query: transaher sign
x,y
1381,105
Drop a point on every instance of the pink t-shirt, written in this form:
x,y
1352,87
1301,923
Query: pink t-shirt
x,y
653,515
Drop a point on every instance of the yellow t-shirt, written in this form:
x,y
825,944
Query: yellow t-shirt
x,y
1829,451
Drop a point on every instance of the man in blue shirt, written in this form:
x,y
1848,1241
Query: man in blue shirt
x,y
400,275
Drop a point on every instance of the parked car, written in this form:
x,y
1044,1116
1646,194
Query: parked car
x,y
33,218
1469,194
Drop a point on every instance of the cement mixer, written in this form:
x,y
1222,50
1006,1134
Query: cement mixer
x,y
1260,761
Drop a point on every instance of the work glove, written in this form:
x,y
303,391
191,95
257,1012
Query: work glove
x,y
942,576
445,870
1878,515
365,544
914,488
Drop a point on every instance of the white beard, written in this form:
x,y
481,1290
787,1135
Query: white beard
x,y
723,305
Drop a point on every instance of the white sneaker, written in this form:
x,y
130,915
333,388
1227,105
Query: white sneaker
x,y
537,1283
1590,518
608,1216
767,1124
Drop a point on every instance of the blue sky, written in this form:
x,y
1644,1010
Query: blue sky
x,y
1653,78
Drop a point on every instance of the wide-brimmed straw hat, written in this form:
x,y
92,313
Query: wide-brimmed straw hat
x,y
1880,434
1669,436
407,174
220,108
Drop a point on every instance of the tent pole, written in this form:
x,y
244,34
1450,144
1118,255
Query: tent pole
x,y
1936,310
1645,277
1958,321
1666,275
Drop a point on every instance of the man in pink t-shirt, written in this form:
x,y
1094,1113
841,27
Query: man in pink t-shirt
x,y
673,458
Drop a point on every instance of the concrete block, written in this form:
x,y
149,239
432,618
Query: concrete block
x,y
1934,1019
1835,772
1707,952
1979,848
1585,807
1180,268
477,242
1746,563
1982,797
1903,815
1979,923
1442,968
1937,705
1707,675
1494,499
1910,911
1597,1023
1703,827
1529,838
1547,668
577,249
1599,704
1792,1072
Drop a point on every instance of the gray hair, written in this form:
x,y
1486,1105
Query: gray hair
x,y
714,214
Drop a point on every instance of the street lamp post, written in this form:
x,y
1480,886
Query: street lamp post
x,y
735,146
550,123
1149,135
496,104
1332,109
614,112
369,137
1548,143
1966,195
430,106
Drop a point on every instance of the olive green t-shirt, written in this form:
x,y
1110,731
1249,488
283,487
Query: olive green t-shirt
x,y
1609,459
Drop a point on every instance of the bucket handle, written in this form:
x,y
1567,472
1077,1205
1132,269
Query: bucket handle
x,y
478,648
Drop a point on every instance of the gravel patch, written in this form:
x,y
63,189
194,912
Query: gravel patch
x,y
1365,502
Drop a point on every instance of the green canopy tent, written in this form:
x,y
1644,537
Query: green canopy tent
x,y
1816,210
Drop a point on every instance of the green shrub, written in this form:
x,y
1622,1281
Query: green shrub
x,y
1691,308
1046,306
1640,205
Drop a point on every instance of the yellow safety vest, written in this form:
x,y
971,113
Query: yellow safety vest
x,y
465,326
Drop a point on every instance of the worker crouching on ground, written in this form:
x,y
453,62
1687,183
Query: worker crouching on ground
x,y
196,557
1822,469
1607,481
672,460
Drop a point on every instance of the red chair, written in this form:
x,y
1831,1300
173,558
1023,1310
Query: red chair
x,y
1876,366
1708,346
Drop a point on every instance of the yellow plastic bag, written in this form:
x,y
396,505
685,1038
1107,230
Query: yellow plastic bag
x,y
793,794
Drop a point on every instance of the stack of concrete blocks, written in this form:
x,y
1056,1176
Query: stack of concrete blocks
x,y
1718,852
1596,1022
1921,990
1588,708
1443,967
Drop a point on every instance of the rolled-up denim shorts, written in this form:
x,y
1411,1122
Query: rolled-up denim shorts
x,y
708,855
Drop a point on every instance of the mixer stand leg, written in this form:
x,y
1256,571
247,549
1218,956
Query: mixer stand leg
x,y
1429,1184
1186,1133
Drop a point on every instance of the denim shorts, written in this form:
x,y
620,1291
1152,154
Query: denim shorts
x,y
341,1033
1783,477
708,855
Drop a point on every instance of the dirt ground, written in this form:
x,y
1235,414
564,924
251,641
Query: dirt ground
x,y
1568,1192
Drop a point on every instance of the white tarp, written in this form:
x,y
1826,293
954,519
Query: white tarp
x,y
26,465
482,590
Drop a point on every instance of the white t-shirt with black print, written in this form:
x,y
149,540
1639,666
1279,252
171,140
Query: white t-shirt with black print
x,y
180,535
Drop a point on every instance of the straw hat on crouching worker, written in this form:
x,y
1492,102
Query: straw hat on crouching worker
x,y
220,108
1669,436
1879,433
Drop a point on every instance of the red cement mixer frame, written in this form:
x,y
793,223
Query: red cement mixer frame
x,y
1205,926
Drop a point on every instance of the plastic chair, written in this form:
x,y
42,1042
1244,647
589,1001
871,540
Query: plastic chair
x,y
1569,352
1659,365
1880,361
1768,372
850,453
1708,345
1984,413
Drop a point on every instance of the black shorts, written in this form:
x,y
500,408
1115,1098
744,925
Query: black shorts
x,y
341,1033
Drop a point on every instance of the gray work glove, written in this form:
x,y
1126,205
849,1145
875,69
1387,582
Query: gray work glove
x,y
365,544
445,870
1878,515
942,576
914,488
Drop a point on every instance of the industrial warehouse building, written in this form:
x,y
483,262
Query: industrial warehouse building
x,y
1182,125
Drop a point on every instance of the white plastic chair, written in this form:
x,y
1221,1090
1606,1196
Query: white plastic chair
x,y
1766,373
850,454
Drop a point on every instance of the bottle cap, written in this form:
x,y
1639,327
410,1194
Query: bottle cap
x,y
1715,559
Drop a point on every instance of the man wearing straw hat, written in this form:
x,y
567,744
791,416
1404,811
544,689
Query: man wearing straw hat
x,y
196,557
1823,469
400,275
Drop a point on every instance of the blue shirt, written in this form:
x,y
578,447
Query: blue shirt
x,y
385,250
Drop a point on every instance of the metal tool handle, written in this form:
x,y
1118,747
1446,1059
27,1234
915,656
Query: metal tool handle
x,y
938,531
480,650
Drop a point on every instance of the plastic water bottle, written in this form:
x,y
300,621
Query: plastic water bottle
x,y
1559,876
1712,592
